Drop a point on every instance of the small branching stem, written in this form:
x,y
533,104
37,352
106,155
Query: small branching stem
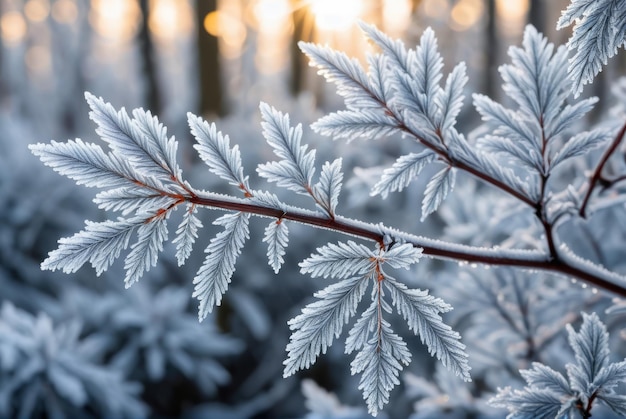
x,y
432,248
597,173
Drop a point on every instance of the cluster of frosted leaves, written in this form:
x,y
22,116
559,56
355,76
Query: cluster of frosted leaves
x,y
141,181
380,353
402,91
536,136
599,31
50,370
590,379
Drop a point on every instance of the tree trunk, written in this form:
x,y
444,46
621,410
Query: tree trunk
x,y
536,14
148,59
211,93
491,48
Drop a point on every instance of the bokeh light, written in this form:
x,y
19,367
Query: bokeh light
x,y
116,20
13,27
37,10
227,24
465,14
396,16
170,19
335,15
65,11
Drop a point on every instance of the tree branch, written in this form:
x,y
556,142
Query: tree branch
x,y
533,260
597,174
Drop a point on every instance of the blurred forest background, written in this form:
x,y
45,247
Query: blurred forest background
x,y
78,344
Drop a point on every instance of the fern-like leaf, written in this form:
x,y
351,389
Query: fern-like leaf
x,y
125,138
340,261
421,311
277,238
86,164
450,101
380,362
437,189
402,172
581,144
215,274
591,346
599,30
322,321
364,123
99,243
163,148
186,234
145,252
214,149
327,190
297,165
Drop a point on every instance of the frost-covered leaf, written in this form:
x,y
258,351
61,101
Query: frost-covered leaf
x,y
393,49
360,332
421,311
186,234
506,123
215,274
437,189
328,188
402,172
518,154
450,101
528,403
297,165
581,144
277,238
145,252
341,260
131,199
126,139
380,362
99,243
591,346
402,255
351,80
214,149
164,148
363,123
599,30
541,376
86,164
322,321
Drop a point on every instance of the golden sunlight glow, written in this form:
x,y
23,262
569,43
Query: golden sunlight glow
x,y
437,9
13,27
272,20
512,10
466,14
396,16
335,15
227,25
65,11
272,15
170,19
117,20
37,10
512,14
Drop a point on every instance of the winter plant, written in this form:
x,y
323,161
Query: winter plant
x,y
521,151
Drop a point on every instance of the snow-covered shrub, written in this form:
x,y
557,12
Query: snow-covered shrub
x,y
545,174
